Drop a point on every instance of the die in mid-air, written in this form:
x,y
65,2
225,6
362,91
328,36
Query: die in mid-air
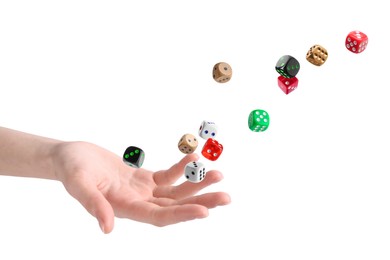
x,y
287,66
317,55
134,156
356,41
212,149
287,85
222,72
188,143
195,172
258,120
207,130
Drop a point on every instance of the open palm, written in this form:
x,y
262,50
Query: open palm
x,y
107,187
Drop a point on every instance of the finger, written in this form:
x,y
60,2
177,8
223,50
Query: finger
x,y
170,176
96,204
148,212
209,200
187,188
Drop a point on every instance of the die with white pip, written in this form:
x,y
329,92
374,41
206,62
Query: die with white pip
x,y
195,172
208,130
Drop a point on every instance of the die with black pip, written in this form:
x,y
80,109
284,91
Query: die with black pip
x,y
288,67
195,172
134,156
187,144
222,72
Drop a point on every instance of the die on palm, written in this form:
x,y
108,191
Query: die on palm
x,y
287,85
134,156
317,55
356,41
212,149
287,66
188,143
258,120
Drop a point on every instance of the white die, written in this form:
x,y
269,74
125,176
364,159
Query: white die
x,y
208,130
195,172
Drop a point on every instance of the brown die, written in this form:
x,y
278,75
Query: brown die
x,y
222,72
317,55
188,143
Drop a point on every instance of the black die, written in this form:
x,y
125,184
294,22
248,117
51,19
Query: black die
x,y
134,156
287,66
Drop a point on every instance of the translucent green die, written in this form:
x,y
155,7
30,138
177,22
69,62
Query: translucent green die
x,y
258,120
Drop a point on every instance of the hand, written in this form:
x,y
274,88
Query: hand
x,y
107,187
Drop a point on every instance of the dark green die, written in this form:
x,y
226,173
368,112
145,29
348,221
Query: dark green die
x,y
258,120
287,66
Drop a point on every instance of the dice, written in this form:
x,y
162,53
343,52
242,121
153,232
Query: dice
x,y
195,172
134,156
317,55
222,72
207,130
212,149
356,42
188,143
258,120
287,85
287,66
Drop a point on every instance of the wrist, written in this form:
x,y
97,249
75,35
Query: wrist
x,y
46,155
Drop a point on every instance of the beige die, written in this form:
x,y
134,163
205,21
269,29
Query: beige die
x,y
188,143
222,72
317,55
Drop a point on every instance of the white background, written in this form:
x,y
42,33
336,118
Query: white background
x,y
315,185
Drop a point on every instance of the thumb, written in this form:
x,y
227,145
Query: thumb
x,y
96,204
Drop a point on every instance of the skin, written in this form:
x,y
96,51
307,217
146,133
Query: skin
x,y
104,185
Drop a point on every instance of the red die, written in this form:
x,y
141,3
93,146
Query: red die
x,y
287,85
356,41
212,149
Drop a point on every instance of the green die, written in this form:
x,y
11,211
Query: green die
x,y
258,120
